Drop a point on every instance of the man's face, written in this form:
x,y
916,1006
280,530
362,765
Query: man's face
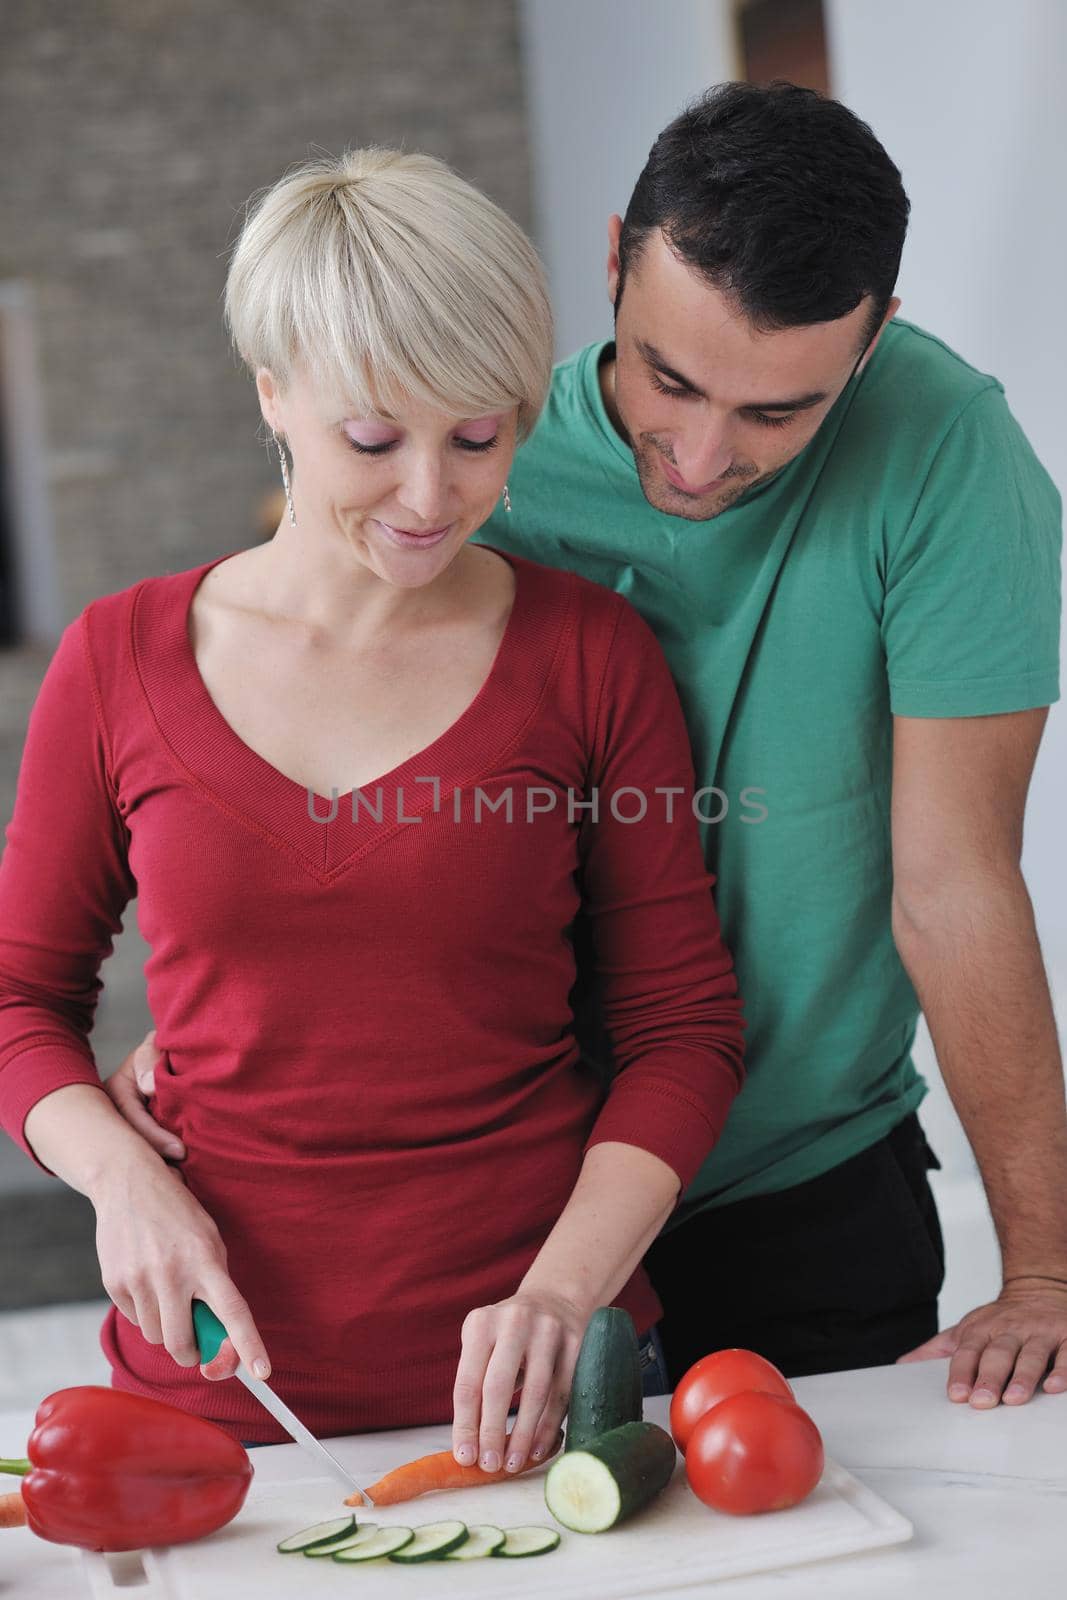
x,y
711,407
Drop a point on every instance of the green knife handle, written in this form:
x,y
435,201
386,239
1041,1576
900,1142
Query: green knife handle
x,y
208,1329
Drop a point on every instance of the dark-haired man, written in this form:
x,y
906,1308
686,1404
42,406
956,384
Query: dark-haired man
x,y
851,557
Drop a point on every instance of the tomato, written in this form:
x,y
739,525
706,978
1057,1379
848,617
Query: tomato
x,y
754,1452
717,1377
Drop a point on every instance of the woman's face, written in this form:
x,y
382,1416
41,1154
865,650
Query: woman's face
x,y
405,494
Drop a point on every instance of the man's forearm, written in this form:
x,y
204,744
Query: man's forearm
x,y
622,1198
974,958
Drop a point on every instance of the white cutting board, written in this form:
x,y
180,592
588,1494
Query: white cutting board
x,y
675,1542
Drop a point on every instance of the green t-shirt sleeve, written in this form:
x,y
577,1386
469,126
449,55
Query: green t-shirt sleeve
x,y
971,616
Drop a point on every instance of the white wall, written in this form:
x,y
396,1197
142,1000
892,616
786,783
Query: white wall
x,y
602,78
967,97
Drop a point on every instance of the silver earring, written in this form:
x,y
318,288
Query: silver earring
x,y
507,499
285,477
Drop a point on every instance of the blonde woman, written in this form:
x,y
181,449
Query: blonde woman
x,y
362,778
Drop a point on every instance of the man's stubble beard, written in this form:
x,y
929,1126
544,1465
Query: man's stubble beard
x,y
663,496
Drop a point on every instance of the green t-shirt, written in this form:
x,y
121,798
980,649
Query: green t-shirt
x,y
905,562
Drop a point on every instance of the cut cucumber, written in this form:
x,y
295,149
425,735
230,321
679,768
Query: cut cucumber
x,y
433,1540
482,1540
593,1489
319,1533
606,1388
360,1535
384,1543
528,1542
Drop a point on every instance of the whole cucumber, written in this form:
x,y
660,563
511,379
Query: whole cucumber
x,y
606,1388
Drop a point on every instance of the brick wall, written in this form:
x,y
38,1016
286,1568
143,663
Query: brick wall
x,y
133,132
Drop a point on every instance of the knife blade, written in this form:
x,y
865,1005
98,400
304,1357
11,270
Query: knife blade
x,y
209,1336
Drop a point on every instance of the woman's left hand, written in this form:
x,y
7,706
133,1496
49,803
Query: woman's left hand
x,y
529,1341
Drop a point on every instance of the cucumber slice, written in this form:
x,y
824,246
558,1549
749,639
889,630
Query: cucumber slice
x,y
593,1489
319,1533
360,1535
432,1540
482,1540
528,1542
384,1543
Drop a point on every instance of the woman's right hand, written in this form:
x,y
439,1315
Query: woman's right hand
x,y
130,1087
159,1250
156,1243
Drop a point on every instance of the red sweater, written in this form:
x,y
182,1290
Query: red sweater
x,y
371,1052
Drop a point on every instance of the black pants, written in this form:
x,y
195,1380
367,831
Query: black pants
x,y
843,1271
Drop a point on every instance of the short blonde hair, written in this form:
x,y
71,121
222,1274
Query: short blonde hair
x,y
387,275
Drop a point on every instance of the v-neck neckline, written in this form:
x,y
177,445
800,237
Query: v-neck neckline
x,y
249,786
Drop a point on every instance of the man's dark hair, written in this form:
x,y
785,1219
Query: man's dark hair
x,y
780,198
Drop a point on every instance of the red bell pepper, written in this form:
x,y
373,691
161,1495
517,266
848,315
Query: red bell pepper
x,y
115,1471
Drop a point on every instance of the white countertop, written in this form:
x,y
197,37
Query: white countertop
x,y
985,1491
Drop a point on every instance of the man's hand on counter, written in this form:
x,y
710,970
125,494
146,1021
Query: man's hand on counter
x,y
1003,1350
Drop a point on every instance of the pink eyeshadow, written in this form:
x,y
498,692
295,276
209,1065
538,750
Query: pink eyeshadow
x,y
370,432
479,431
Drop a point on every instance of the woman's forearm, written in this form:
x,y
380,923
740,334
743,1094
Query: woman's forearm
x,y
158,1248
77,1133
622,1198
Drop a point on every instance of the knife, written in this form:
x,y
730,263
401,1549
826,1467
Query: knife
x,y
209,1336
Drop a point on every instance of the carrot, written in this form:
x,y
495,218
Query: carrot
x,y
440,1471
12,1510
